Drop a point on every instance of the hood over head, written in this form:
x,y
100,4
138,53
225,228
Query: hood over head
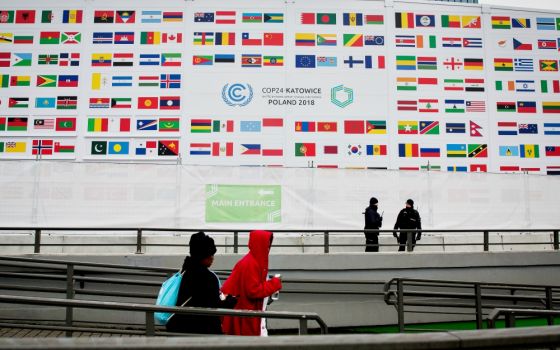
x,y
259,246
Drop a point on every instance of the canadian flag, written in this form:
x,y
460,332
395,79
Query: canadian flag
x,y
172,38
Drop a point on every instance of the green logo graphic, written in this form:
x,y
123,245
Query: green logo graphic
x,y
342,96
243,203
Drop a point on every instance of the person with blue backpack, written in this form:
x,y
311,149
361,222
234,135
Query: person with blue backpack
x,y
200,287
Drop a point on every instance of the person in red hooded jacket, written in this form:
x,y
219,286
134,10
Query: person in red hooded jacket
x,y
248,282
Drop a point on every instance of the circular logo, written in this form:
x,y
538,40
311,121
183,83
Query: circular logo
x,y
425,21
237,94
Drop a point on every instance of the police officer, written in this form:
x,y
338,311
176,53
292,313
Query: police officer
x,y
408,219
373,221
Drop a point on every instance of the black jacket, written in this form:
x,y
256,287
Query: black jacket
x,y
372,218
408,219
203,287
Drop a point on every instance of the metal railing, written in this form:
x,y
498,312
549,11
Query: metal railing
x,y
465,298
140,233
149,310
511,314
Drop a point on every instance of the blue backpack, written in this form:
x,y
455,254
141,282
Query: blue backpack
x,y
168,297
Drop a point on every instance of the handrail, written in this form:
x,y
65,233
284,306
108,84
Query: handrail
x,y
149,311
510,315
543,296
139,233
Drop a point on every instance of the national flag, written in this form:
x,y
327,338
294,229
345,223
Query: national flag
x,y
149,59
251,60
49,38
121,80
171,59
547,44
304,126
224,58
248,126
472,42
147,124
250,149
4,80
169,102
507,128
525,128
170,81
455,128
407,127
318,18
548,65
354,127
305,61
553,170
545,23
6,17
69,59
529,151
455,106
118,147
428,127
123,59
150,38
156,16
501,22
428,105
551,128
429,43
148,102
473,64
59,148
404,20
224,38
478,106
222,149
503,64
45,59
509,168
551,107
17,124
425,21
101,59
225,17
46,81
123,38
451,42
252,17
475,129
66,102
273,17
509,151
378,127
65,124
71,38
376,150
204,17
21,39
125,16
524,85
103,16
429,152
6,38
203,38
326,39
276,61
98,125
42,147
523,64
526,107
374,19
453,84
45,102
18,102
222,125
353,40
450,21
478,151
456,150
408,150
20,80
471,22
407,105
326,61
201,125
552,151
20,59
301,39
352,19
521,23
505,106
200,149
305,149
426,62
102,38
25,16
406,62
39,124
121,102
354,150
168,147
168,124
405,40
14,146
99,102
406,84
67,81
518,45
203,60
172,16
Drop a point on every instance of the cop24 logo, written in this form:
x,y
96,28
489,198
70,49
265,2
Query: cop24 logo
x,y
342,96
237,94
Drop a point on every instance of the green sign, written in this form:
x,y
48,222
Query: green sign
x,y
243,203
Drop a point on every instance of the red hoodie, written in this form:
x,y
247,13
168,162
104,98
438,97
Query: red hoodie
x,y
248,282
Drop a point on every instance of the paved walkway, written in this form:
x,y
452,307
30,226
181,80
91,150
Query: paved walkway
x,y
16,332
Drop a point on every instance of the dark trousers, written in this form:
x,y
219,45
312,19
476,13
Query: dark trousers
x,y
402,241
372,243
